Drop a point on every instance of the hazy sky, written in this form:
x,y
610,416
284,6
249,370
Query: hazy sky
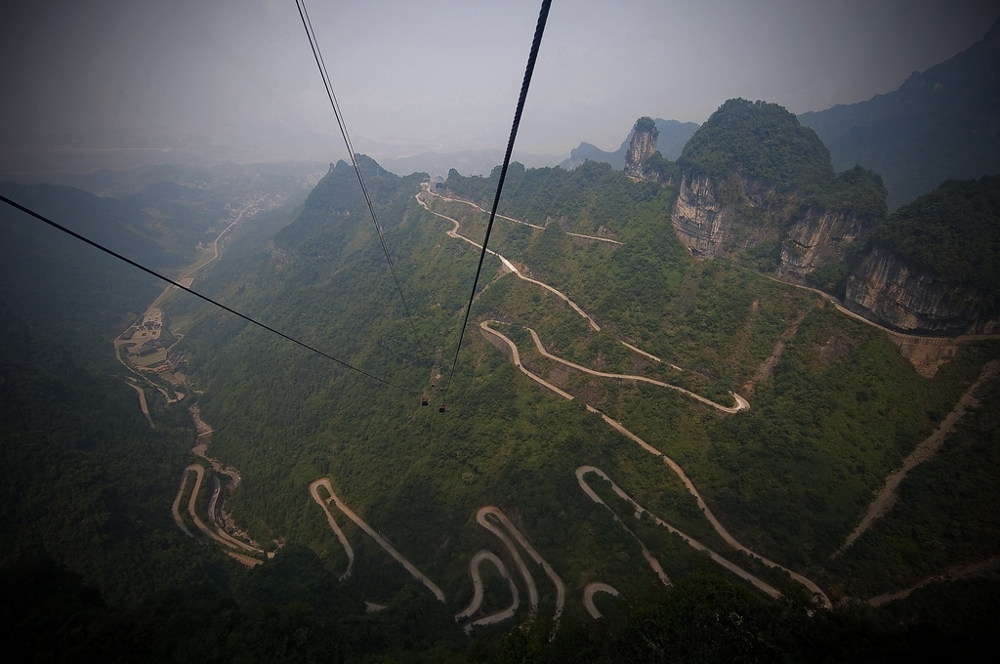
x,y
445,75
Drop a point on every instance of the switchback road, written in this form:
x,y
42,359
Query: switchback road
x,y
349,513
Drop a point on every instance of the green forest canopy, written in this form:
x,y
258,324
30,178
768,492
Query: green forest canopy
x,y
954,232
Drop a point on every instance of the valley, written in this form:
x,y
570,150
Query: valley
x,y
474,612
635,429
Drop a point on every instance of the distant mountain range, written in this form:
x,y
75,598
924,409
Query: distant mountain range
x,y
466,162
940,124
943,123
673,136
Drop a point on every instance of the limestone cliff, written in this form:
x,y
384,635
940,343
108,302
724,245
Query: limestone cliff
x,y
898,295
750,213
703,224
753,183
641,148
817,239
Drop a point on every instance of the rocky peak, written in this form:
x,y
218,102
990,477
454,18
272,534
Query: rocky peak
x,y
642,146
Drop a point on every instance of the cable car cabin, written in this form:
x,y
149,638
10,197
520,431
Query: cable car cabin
x,y
441,408
423,402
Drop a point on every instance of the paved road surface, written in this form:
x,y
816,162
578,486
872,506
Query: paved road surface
x,y
477,598
695,544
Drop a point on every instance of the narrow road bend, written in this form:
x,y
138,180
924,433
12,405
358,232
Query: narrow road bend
x,y
588,597
477,598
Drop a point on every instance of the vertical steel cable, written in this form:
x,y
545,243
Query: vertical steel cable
x,y
532,56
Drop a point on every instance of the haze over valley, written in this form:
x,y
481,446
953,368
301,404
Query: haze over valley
x,y
727,387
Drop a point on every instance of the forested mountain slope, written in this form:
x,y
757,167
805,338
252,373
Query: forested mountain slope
x,y
752,417
83,471
759,187
835,412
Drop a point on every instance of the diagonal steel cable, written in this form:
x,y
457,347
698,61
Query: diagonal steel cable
x,y
156,274
321,65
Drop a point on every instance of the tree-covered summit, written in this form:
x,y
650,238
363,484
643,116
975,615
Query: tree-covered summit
x,y
953,231
763,141
645,124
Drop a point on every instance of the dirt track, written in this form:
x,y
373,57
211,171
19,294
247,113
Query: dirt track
x,y
886,497
349,513
588,597
980,568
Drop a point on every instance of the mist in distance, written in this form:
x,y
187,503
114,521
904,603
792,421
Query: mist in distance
x,y
238,81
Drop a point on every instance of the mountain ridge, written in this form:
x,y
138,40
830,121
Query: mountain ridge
x,y
939,124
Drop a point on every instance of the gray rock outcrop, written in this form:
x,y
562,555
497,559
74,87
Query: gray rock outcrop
x,y
887,290
641,148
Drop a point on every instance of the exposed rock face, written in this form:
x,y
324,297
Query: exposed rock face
x,y
817,239
895,294
701,222
711,228
641,148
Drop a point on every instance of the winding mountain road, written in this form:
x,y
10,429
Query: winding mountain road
x,y
516,221
333,526
349,513
477,598
453,233
729,539
199,472
856,316
588,597
693,543
741,403
654,564
186,278
489,510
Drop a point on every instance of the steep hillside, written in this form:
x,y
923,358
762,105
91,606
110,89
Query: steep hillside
x,y
85,475
628,431
939,124
121,225
601,304
90,449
